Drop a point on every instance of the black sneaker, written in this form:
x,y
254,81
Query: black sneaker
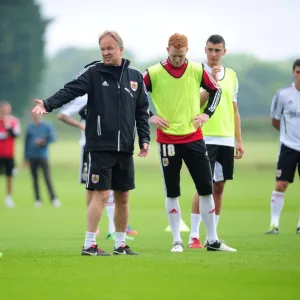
x,y
124,251
94,251
219,246
298,230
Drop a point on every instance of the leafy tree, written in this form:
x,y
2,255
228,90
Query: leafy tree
x,y
21,52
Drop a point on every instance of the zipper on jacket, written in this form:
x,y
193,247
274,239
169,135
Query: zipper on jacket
x,y
118,122
134,130
99,125
119,132
119,100
127,90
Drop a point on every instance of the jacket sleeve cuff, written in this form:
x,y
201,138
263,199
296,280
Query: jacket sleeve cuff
x,y
209,113
47,106
144,141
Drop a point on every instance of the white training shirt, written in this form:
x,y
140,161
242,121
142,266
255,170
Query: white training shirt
x,y
73,108
221,140
286,108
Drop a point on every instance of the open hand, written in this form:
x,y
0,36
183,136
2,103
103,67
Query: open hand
x,y
159,122
39,109
201,119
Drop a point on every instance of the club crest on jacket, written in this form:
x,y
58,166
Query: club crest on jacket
x,y
134,85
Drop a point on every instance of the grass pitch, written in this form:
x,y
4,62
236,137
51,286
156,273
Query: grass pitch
x,y
41,247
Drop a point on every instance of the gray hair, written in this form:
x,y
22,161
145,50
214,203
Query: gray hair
x,y
114,35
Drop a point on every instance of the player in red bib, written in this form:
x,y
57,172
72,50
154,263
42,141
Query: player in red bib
x,y
9,130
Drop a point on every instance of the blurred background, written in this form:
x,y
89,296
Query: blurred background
x,y
45,43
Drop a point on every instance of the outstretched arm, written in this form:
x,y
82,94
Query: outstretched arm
x,y
73,89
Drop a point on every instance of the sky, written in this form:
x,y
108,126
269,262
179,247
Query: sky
x,y
268,29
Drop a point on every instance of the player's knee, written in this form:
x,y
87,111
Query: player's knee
x,y
100,196
195,204
60,116
219,188
121,198
281,186
205,189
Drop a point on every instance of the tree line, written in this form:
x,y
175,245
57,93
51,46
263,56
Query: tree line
x,y
25,73
258,80
21,51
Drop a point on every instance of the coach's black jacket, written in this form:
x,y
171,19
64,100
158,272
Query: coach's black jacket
x,y
114,109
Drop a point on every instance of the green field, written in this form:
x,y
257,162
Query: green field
x,y
41,246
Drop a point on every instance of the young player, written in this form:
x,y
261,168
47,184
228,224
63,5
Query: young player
x,y
285,114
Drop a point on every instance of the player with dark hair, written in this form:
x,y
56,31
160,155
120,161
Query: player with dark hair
x,y
222,133
285,114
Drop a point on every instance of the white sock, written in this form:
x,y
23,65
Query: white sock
x,y
111,199
110,214
90,239
298,225
120,239
174,217
208,216
110,208
195,225
277,202
217,217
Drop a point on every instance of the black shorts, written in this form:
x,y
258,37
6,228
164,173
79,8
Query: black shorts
x,y
7,166
195,156
83,168
288,161
221,161
110,171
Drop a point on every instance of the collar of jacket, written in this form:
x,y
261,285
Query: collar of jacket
x,y
103,68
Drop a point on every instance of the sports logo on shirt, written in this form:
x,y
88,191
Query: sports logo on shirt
x,y
294,114
134,85
95,178
278,173
165,161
